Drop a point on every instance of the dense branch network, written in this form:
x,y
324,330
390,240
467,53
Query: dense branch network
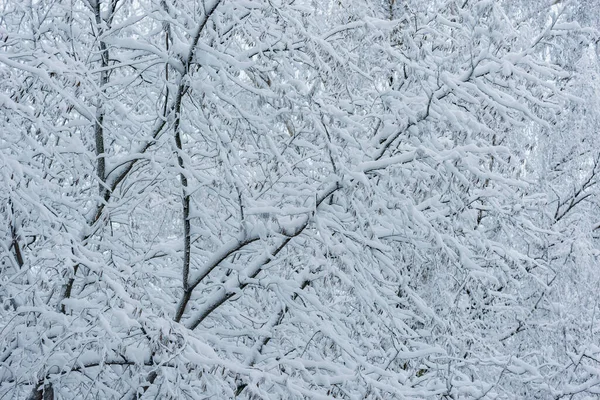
x,y
294,200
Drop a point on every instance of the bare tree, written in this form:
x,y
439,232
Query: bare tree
x,y
277,199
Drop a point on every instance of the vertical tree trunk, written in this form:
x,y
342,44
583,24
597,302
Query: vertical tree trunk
x,y
99,124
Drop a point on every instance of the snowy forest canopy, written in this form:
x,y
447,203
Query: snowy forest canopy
x,y
299,199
